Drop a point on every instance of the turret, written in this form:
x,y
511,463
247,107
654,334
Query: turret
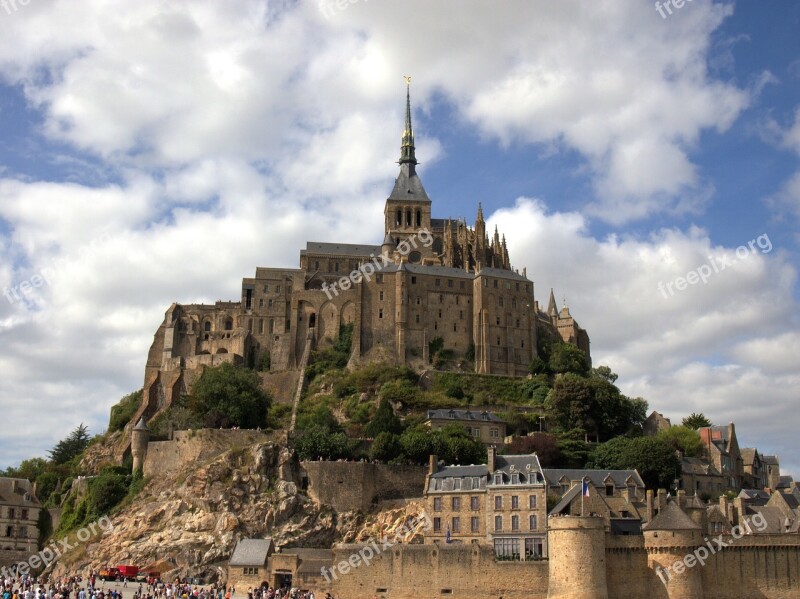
x,y
388,246
140,438
577,558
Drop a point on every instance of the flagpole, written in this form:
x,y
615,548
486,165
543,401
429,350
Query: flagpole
x,y
583,481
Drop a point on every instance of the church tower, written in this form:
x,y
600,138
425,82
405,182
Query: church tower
x,y
408,207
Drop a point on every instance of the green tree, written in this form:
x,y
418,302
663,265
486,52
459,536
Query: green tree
x,y
386,447
604,372
320,442
565,357
229,395
696,421
30,469
537,366
122,413
384,421
684,439
71,446
571,401
572,449
653,458
319,417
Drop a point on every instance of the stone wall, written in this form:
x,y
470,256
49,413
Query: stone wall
x,y
349,486
416,571
281,385
192,447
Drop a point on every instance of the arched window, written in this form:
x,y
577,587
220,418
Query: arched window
x,y
229,324
222,350
408,217
399,219
207,326
419,218
312,321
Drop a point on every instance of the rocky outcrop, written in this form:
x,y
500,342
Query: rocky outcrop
x,y
188,522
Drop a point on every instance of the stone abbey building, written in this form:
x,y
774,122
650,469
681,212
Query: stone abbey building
x,y
430,278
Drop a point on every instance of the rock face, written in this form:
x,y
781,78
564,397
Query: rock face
x,y
188,523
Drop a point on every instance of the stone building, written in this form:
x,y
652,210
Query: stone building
x,y
700,477
484,426
502,503
19,520
430,280
755,470
655,423
721,447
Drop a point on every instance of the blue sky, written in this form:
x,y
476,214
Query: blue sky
x,y
159,152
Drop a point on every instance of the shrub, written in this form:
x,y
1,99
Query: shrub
x,y
122,413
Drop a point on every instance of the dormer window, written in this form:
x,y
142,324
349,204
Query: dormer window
x,y
498,479
515,479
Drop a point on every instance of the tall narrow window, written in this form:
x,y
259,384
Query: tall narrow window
x,y
419,218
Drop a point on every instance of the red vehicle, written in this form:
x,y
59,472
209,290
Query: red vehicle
x,y
128,572
109,574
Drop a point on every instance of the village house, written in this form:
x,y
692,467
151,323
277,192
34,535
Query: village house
x,y
484,426
19,520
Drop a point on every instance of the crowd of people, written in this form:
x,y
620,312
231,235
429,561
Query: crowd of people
x,y
27,587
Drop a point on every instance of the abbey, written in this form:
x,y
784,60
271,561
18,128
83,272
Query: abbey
x,y
431,280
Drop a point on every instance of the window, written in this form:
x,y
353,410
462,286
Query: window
x,y
498,500
413,280
507,548
514,498
435,326
475,503
261,326
438,282
417,318
456,527
456,484
207,326
514,522
456,502
514,305
498,523
261,302
380,296
271,325
486,282
437,504
437,525
461,285
335,267
269,304
494,433
380,313
517,285
24,514
532,502
498,480
250,571
501,301
419,301
449,282
441,299
498,324
609,490
515,481
419,218
379,278
494,282
266,288
440,312
532,522
316,264
455,328
474,524
534,548
476,432
461,314
277,289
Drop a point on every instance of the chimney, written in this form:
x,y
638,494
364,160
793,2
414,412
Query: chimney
x,y
14,485
433,464
661,502
738,508
649,503
682,499
723,507
490,461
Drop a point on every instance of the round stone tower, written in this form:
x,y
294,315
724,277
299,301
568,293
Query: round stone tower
x,y
577,557
670,540
140,437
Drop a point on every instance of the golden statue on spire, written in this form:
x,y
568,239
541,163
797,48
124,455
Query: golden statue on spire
x,y
408,79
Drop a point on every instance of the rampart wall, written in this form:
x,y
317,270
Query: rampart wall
x,y
416,571
194,446
347,486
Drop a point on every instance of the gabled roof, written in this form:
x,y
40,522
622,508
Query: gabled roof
x,y
749,455
251,552
597,477
785,482
698,466
466,415
527,466
462,471
671,517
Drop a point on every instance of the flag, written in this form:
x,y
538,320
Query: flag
x,y
585,488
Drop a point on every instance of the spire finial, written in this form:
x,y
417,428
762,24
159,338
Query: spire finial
x,y
407,145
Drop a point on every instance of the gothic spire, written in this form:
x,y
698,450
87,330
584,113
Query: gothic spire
x,y
407,146
552,310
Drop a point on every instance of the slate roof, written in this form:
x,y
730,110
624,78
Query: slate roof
x,y
785,482
465,415
426,269
408,186
251,552
462,471
502,274
597,477
772,460
671,517
698,466
340,249
141,425
754,497
527,466
775,519
749,455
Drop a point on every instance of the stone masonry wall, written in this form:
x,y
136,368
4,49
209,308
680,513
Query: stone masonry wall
x,y
349,486
458,571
